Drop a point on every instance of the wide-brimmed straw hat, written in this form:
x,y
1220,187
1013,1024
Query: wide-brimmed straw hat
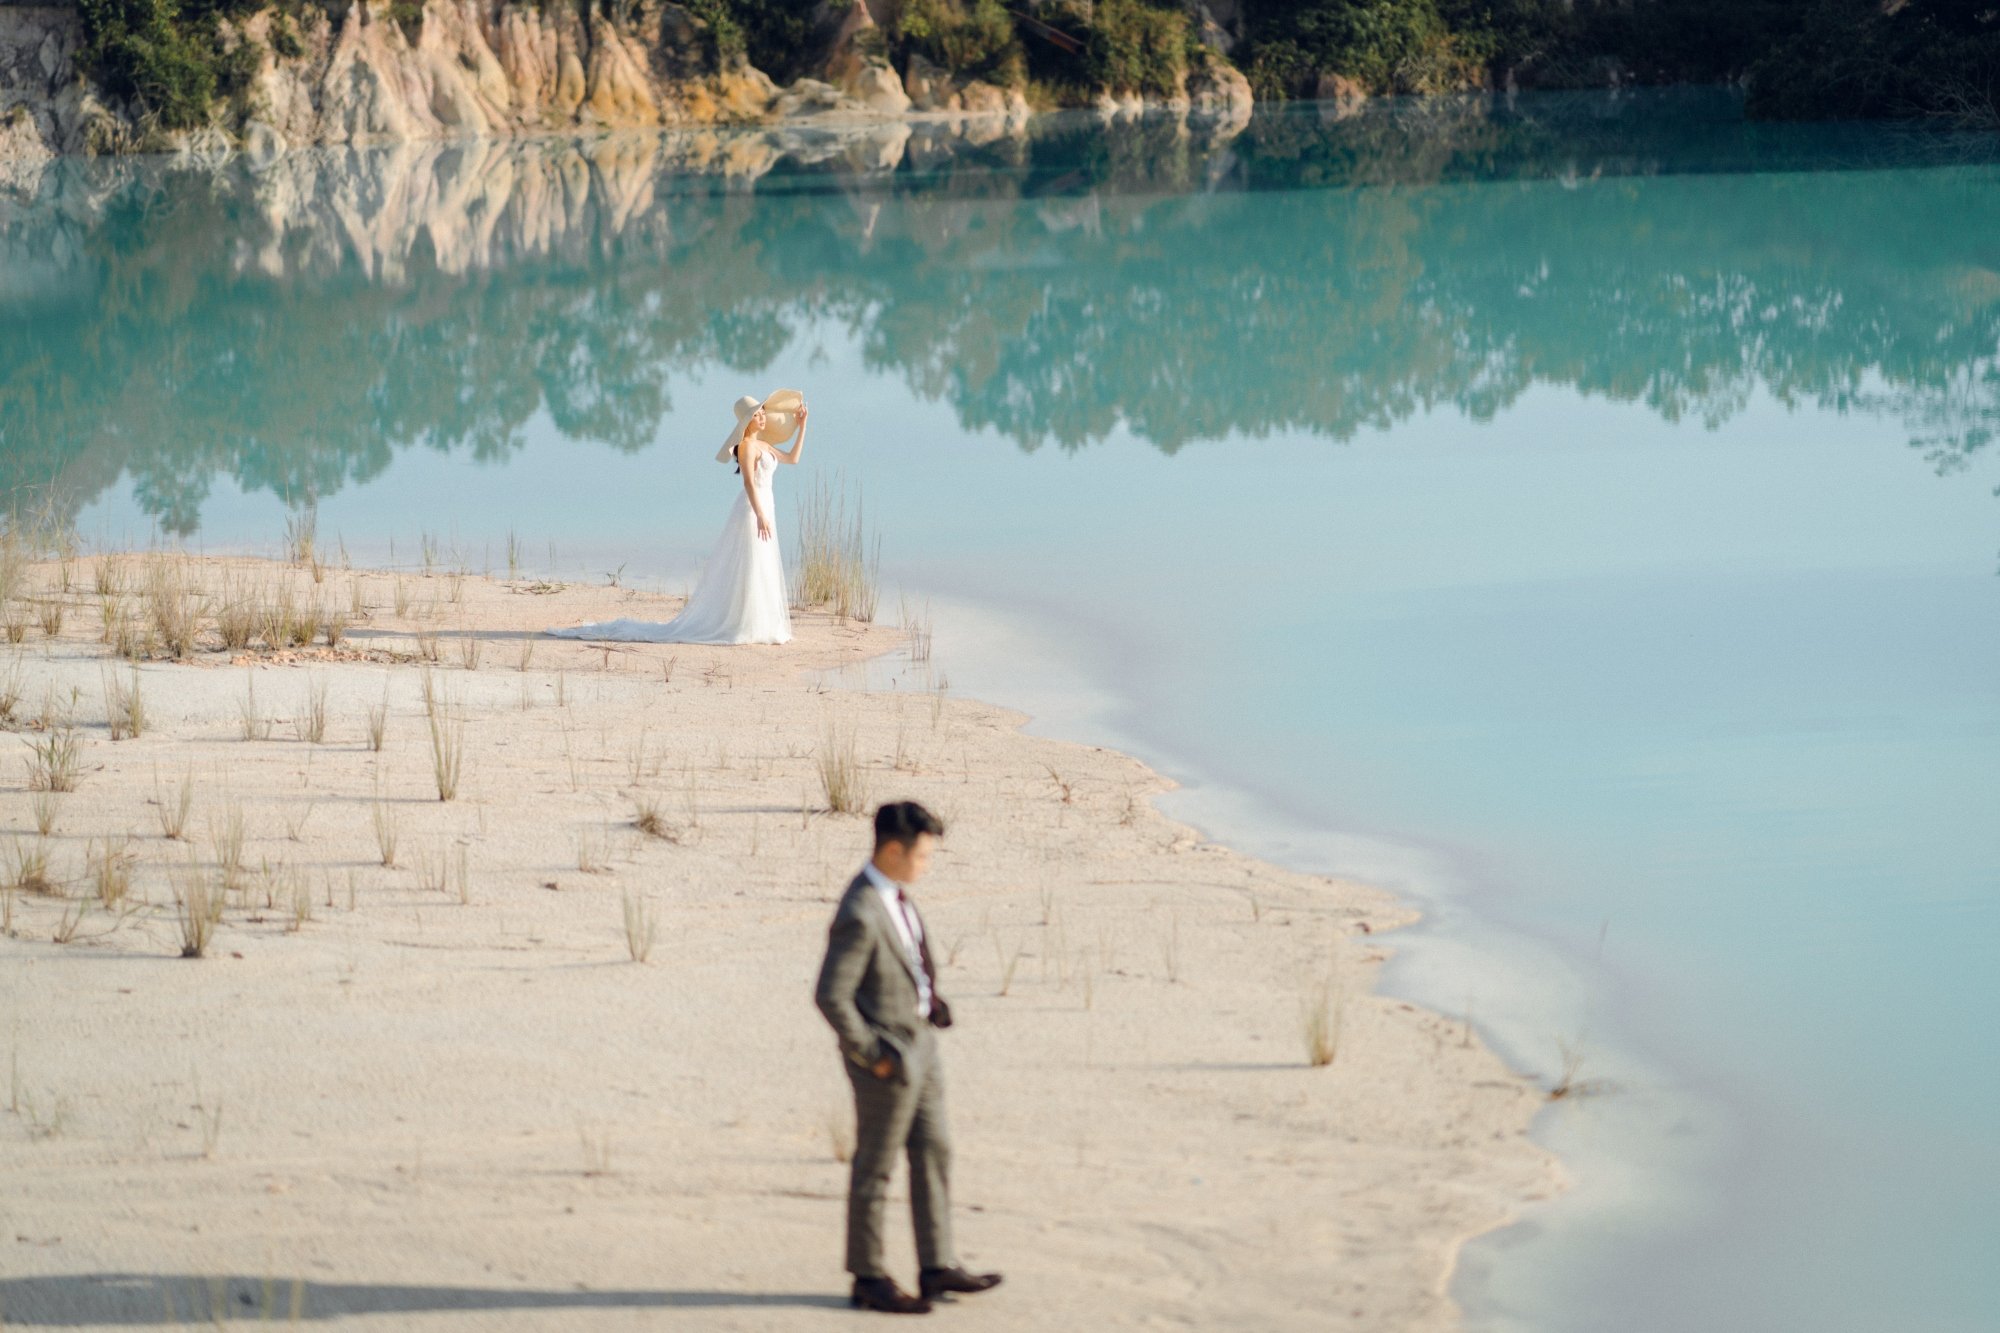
x,y
781,416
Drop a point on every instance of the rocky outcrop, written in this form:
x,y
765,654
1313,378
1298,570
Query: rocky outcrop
x,y
476,69
855,60
1218,93
45,106
473,69
1334,87
934,89
1212,93
1218,24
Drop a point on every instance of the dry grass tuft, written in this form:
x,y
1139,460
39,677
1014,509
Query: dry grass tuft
x,y
590,855
918,626
29,872
112,614
110,863
834,564
433,869
124,706
55,760
255,726
311,724
237,613
108,577
173,810
378,721
15,554
302,535
46,805
841,777
641,928
1569,1084
175,604
447,728
198,910
298,901
70,922
1322,1013
449,871
648,818
274,615
387,829
460,873
225,840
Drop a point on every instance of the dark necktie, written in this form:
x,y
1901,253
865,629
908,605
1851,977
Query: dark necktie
x,y
922,937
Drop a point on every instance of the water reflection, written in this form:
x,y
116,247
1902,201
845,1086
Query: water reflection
x,y
290,324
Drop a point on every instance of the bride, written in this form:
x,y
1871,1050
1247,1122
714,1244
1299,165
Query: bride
x,y
740,597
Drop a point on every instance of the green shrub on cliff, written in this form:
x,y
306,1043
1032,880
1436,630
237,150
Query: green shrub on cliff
x,y
1386,46
776,35
1930,58
725,36
173,62
167,58
1135,47
975,38
139,50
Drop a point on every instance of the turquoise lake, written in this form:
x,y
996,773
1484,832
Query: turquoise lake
x,y
1578,513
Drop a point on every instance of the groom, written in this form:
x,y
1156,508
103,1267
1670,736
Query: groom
x,y
878,988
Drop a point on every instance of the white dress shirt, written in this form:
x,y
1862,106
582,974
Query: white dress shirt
x,y
909,931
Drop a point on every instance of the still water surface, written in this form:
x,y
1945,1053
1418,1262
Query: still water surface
x,y
1578,513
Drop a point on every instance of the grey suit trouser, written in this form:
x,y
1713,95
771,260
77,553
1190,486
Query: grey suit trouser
x,y
891,1117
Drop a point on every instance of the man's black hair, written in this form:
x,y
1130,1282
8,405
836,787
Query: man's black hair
x,y
905,822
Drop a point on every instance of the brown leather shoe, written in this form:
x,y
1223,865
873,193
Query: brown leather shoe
x,y
935,1282
881,1293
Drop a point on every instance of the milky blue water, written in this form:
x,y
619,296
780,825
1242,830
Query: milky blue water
x,y
1578,513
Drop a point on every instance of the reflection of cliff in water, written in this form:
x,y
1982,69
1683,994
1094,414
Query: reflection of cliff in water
x,y
292,324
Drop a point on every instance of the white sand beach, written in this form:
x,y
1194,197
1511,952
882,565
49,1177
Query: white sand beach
x,y
441,1093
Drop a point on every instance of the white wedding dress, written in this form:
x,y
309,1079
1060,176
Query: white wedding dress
x,y
740,597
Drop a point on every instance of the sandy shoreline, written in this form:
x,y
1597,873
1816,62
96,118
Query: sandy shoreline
x,y
450,1098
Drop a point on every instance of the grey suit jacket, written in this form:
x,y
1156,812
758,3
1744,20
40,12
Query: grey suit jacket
x,y
868,985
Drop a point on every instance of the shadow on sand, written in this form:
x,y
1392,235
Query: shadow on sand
x,y
135,1299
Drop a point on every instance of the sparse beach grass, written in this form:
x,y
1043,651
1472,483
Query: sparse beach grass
x,y
46,804
54,759
834,561
388,830
311,721
1321,1013
124,706
1084,935
842,780
642,928
197,911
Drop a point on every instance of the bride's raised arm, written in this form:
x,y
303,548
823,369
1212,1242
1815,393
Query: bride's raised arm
x,y
798,441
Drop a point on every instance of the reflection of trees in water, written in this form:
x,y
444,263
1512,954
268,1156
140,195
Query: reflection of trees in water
x,y
291,327
175,357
